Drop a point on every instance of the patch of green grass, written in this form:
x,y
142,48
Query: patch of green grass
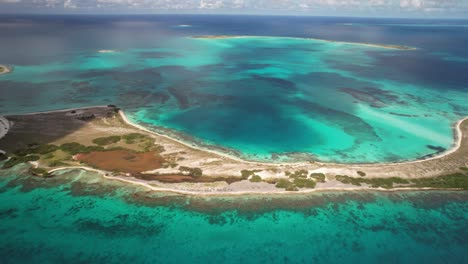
x,y
464,168
361,173
319,177
19,159
104,141
255,178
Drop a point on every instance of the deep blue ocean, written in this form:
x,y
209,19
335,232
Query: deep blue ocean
x,y
264,97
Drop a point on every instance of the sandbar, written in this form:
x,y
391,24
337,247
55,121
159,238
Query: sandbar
x,y
375,45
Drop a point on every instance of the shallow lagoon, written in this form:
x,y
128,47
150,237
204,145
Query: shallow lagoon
x,y
265,98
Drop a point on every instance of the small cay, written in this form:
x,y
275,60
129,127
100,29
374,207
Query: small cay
x,y
5,69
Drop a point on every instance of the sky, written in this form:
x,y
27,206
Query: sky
x,y
362,8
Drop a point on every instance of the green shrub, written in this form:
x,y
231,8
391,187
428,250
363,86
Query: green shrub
x,y
292,188
286,184
304,183
361,173
373,182
103,141
456,180
19,159
245,174
36,149
75,148
348,180
319,177
256,178
39,172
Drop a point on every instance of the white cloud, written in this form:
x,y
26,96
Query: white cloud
x,y
342,6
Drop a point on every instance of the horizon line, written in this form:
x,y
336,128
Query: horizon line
x,y
226,14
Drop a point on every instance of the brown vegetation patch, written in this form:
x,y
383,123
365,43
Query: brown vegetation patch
x,y
122,160
179,178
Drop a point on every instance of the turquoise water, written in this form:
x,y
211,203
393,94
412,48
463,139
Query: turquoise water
x,y
78,218
264,98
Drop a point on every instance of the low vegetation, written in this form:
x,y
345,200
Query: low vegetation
x,y
304,183
318,177
56,163
386,183
194,172
104,141
255,178
245,174
133,138
74,148
286,184
36,149
15,160
39,172
361,173
456,180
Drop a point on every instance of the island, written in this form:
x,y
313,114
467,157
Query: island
x,y
4,69
385,46
107,51
102,139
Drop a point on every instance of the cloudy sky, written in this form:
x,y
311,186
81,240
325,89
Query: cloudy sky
x,y
376,8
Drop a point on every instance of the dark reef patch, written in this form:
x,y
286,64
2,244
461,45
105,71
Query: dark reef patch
x,y
278,82
438,149
404,115
118,228
140,98
186,97
349,123
376,97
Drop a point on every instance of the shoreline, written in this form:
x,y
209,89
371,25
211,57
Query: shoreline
x,y
376,45
457,136
239,193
